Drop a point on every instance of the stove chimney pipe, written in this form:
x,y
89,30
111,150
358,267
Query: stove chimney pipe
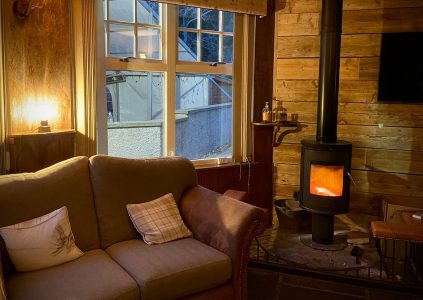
x,y
330,48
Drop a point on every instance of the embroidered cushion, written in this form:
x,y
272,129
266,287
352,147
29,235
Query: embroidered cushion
x,y
42,242
158,221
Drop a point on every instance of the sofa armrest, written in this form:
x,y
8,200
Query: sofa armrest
x,y
226,224
2,285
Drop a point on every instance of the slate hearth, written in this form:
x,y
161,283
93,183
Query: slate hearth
x,y
283,246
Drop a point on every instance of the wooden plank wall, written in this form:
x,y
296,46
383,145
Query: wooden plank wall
x,y
387,138
38,66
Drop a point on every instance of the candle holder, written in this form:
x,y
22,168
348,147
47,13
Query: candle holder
x,y
44,127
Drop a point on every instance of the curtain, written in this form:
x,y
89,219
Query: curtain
x,y
2,102
87,61
253,7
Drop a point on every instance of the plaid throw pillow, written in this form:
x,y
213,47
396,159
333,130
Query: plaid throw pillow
x,y
158,221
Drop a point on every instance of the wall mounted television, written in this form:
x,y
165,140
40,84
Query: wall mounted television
x,y
401,68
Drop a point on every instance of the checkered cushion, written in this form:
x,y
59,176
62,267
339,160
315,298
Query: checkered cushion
x,y
158,221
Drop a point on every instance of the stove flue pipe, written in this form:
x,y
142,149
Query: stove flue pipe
x,y
330,48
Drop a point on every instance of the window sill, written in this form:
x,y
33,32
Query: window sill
x,y
225,165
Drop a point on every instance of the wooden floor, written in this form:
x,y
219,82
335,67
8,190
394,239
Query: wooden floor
x,y
272,285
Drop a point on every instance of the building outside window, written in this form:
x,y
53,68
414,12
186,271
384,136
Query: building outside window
x,y
169,80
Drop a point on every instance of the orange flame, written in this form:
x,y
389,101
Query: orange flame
x,y
326,180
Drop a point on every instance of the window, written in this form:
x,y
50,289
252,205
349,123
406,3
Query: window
x,y
133,28
205,35
170,80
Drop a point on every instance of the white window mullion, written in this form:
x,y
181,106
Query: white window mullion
x,y
220,56
108,28
170,83
135,28
199,34
136,41
163,35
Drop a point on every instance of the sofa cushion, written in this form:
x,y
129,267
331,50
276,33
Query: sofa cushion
x,y
29,195
174,269
41,242
158,220
121,181
92,276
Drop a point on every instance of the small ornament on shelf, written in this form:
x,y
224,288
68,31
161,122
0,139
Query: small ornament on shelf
x,y
266,114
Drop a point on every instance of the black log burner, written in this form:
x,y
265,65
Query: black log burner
x,y
326,162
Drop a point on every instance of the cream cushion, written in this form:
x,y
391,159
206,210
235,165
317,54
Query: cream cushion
x,y
41,242
159,220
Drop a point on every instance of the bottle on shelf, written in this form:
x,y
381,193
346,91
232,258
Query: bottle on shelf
x,y
266,113
283,115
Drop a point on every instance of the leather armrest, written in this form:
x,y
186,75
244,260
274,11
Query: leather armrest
x,y
238,195
405,232
226,224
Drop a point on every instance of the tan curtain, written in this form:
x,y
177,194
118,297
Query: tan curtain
x,y
2,103
253,7
86,74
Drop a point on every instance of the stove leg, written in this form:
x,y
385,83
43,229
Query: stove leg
x,y
322,228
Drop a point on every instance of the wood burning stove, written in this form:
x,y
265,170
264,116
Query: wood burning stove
x,y
325,184
326,162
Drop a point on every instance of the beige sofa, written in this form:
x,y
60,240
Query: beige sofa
x,y
117,264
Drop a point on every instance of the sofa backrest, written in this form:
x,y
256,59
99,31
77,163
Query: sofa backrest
x,y
120,181
29,195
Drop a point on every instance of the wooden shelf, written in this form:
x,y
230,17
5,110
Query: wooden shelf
x,y
277,127
34,151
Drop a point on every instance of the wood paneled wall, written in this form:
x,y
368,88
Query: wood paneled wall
x,y
38,66
387,138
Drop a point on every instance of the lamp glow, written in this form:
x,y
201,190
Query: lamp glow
x,y
37,113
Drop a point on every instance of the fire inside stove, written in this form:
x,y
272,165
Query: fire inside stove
x,y
326,180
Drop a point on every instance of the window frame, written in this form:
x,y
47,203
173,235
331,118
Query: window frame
x,y
199,31
169,65
136,25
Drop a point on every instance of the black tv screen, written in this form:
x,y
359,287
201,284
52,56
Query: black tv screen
x,y
401,67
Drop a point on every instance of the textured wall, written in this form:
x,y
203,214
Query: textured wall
x,y
135,142
145,139
206,132
387,138
38,66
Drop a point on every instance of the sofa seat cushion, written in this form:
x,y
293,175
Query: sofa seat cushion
x,y
92,276
174,269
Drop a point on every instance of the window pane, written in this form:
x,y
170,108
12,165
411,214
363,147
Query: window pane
x,y
135,113
228,22
187,46
122,10
209,47
203,116
121,40
149,43
228,49
188,17
148,12
105,9
210,19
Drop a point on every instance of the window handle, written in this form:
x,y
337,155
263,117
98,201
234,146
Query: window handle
x,y
214,64
126,59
